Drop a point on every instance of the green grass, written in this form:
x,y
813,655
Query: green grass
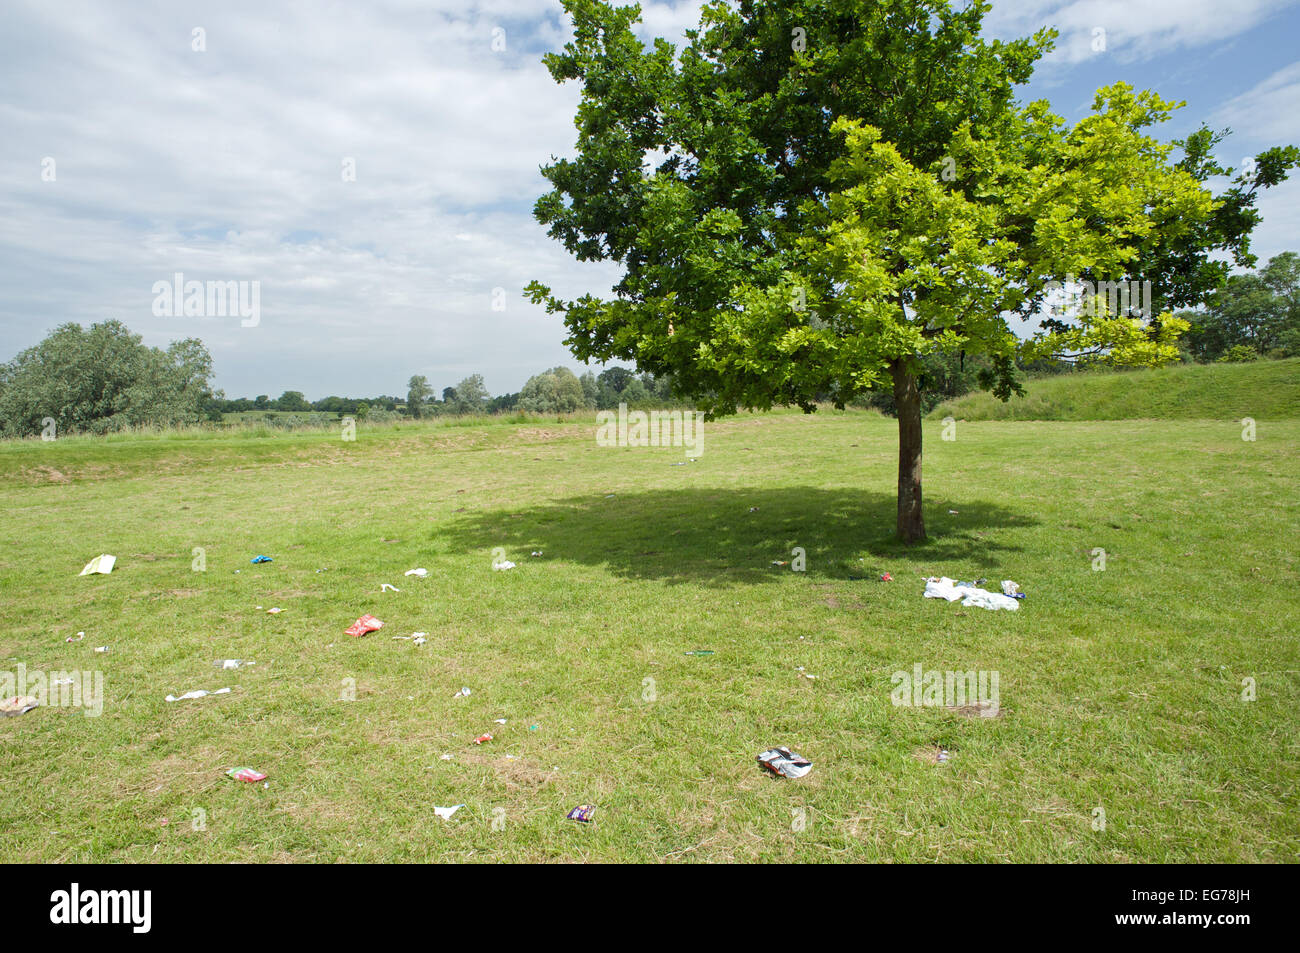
x,y
1119,689
1263,390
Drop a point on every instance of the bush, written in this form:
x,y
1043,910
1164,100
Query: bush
x,y
1239,353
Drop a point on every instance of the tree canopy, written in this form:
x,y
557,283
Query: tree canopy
x,y
101,379
812,196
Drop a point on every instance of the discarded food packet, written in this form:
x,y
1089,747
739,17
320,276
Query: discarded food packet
x,y
1011,589
233,662
886,577
582,813
699,652
274,610
75,638
785,763
367,623
18,705
246,774
199,693
482,738
463,693
261,559
417,572
100,564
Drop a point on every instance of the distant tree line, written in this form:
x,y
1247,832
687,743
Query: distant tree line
x,y
554,391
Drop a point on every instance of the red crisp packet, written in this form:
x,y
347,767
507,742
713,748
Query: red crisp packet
x,y
482,738
246,774
367,623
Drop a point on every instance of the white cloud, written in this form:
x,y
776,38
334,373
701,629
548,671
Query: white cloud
x,y
1268,114
1133,29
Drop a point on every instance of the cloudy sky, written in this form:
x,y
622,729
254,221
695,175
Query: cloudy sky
x,y
127,155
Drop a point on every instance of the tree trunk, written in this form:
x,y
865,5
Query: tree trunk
x,y
907,396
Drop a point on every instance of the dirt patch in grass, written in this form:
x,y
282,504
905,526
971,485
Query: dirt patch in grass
x,y
47,475
187,773
515,773
977,710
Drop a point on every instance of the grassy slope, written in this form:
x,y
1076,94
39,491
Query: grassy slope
x,y
1264,390
1119,688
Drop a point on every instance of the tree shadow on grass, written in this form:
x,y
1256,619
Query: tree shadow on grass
x,y
713,536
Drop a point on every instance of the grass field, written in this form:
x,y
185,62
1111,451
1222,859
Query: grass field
x,y
1259,389
1120,689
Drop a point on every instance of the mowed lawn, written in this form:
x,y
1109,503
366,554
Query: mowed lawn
x,y
1120,689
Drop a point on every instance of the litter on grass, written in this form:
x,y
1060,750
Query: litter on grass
x,y
1011,589
233,662
417,572
446,812
17,705
784,763
463,693
367,623
75,638
386,587
504,564
261,559
483,738
582,813
499,721
535,553
101,649
199,693
886,577
274,610
970,595
246,774
100,564
699,652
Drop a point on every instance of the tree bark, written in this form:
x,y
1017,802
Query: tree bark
x,y
907,397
